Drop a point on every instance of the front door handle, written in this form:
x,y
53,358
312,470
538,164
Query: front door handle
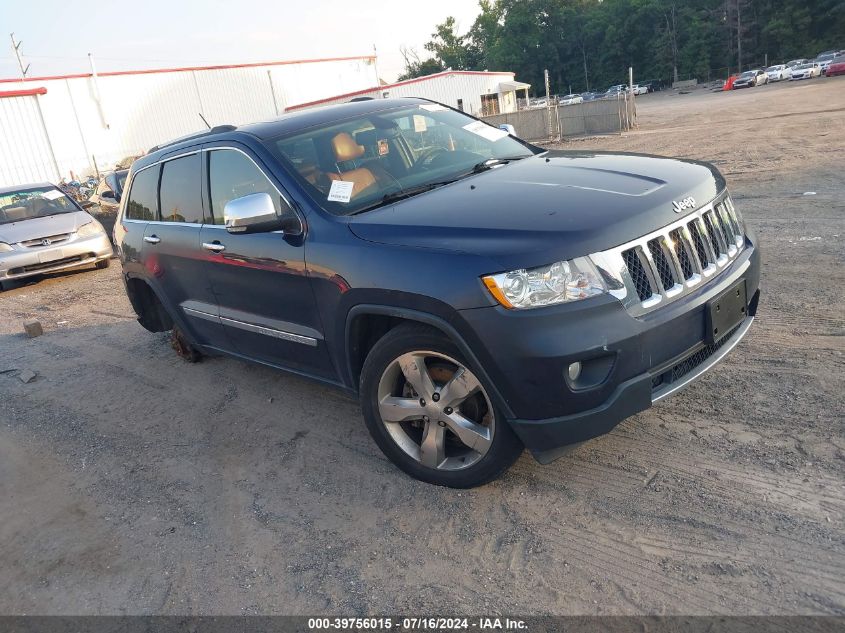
x,y
214,247
152,239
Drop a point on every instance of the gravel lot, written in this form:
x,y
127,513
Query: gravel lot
x,y
132,482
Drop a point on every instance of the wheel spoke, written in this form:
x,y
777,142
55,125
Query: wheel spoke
x,y
394,409
460,387
476,436
433,446
416,373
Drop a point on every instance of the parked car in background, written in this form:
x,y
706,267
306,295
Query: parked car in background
x,y
751,78
653,85
106,198
796,62
640,89
824,59
778,72
806,71
591,96
571,99
616,91
405,267
836,67
43,230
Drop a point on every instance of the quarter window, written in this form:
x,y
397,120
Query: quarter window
x,y
142,197
180,193
233,175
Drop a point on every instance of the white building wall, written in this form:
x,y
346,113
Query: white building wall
x,y
139,110
446,87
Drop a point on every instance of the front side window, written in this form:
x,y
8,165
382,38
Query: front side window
x,y
356,164
33,202
142,204
233,175
180,194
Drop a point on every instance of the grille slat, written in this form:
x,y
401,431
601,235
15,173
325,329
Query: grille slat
x,y
684,260
638,274
664,268
698,242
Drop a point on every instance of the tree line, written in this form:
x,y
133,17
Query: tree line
x,y
589,44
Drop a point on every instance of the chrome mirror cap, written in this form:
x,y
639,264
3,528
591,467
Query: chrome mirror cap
x,y
251,214
507,127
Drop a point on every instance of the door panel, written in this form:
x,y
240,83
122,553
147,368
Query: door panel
x,y
259,280
265,299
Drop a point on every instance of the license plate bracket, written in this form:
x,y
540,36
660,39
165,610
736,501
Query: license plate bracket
x,y
726,311
45,257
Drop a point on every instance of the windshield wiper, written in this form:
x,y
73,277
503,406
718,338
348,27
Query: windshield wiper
x,y
492,162
401,194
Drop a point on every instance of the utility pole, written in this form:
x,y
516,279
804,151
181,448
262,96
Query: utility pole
x,y
738,36
16,46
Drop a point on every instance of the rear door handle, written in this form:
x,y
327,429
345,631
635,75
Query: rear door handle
x,y
214,247
152,239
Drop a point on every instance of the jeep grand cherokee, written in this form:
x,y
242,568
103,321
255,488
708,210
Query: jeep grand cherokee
x,y
477,293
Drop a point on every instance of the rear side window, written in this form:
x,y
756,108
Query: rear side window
x,y
142,197
234,175
181,190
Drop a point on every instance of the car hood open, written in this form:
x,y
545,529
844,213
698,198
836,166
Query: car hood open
x,y
34,228
537,210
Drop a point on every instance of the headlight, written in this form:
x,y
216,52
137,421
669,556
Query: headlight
x,y
5,248
547,285
90,229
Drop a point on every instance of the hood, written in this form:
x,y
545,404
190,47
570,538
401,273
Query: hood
x,y
34,228
541,209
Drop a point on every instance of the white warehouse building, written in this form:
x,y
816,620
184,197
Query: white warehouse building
x,y
480,93
55,127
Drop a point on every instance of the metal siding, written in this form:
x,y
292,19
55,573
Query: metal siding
x,y
25,154
142,110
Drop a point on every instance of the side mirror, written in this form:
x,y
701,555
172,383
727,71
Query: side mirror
x,y
108,194
255,213
87,204
507,127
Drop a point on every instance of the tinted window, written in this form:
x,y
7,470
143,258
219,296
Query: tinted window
x,y
234,175
142,197
180,194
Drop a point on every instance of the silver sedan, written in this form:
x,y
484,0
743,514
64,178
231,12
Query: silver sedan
x,y
43,231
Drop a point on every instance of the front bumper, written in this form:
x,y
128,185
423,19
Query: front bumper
x,y
635,361
25,261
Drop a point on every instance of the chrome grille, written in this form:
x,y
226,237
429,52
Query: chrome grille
x,y
666,264
52,239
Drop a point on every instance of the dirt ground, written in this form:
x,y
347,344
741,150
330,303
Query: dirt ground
x,y
132,482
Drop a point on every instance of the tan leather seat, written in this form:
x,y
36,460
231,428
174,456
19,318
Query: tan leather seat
x,y
346,149
15,213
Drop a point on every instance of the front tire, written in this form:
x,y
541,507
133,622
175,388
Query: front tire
x,y
430,414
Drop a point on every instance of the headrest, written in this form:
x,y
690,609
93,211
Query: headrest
x,y
15,213
345,148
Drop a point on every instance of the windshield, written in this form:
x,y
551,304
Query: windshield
x,y
33,202
748,73
824,58
803,66
772,69
356,164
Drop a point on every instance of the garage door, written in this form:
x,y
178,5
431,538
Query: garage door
x,y
25,153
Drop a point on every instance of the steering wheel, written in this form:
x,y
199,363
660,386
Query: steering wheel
x,y
428,156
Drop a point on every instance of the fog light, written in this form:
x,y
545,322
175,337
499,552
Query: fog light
x,y
574,371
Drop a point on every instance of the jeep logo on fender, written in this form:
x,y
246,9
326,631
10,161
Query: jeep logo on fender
x,y
686,203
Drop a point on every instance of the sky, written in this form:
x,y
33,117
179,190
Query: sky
x,y
58,35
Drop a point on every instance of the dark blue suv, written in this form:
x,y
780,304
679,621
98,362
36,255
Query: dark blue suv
x,y
477,293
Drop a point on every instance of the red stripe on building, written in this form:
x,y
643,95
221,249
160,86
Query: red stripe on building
x,y
115,73
23,93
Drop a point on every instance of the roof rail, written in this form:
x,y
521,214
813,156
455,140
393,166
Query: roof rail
x,y
217,129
